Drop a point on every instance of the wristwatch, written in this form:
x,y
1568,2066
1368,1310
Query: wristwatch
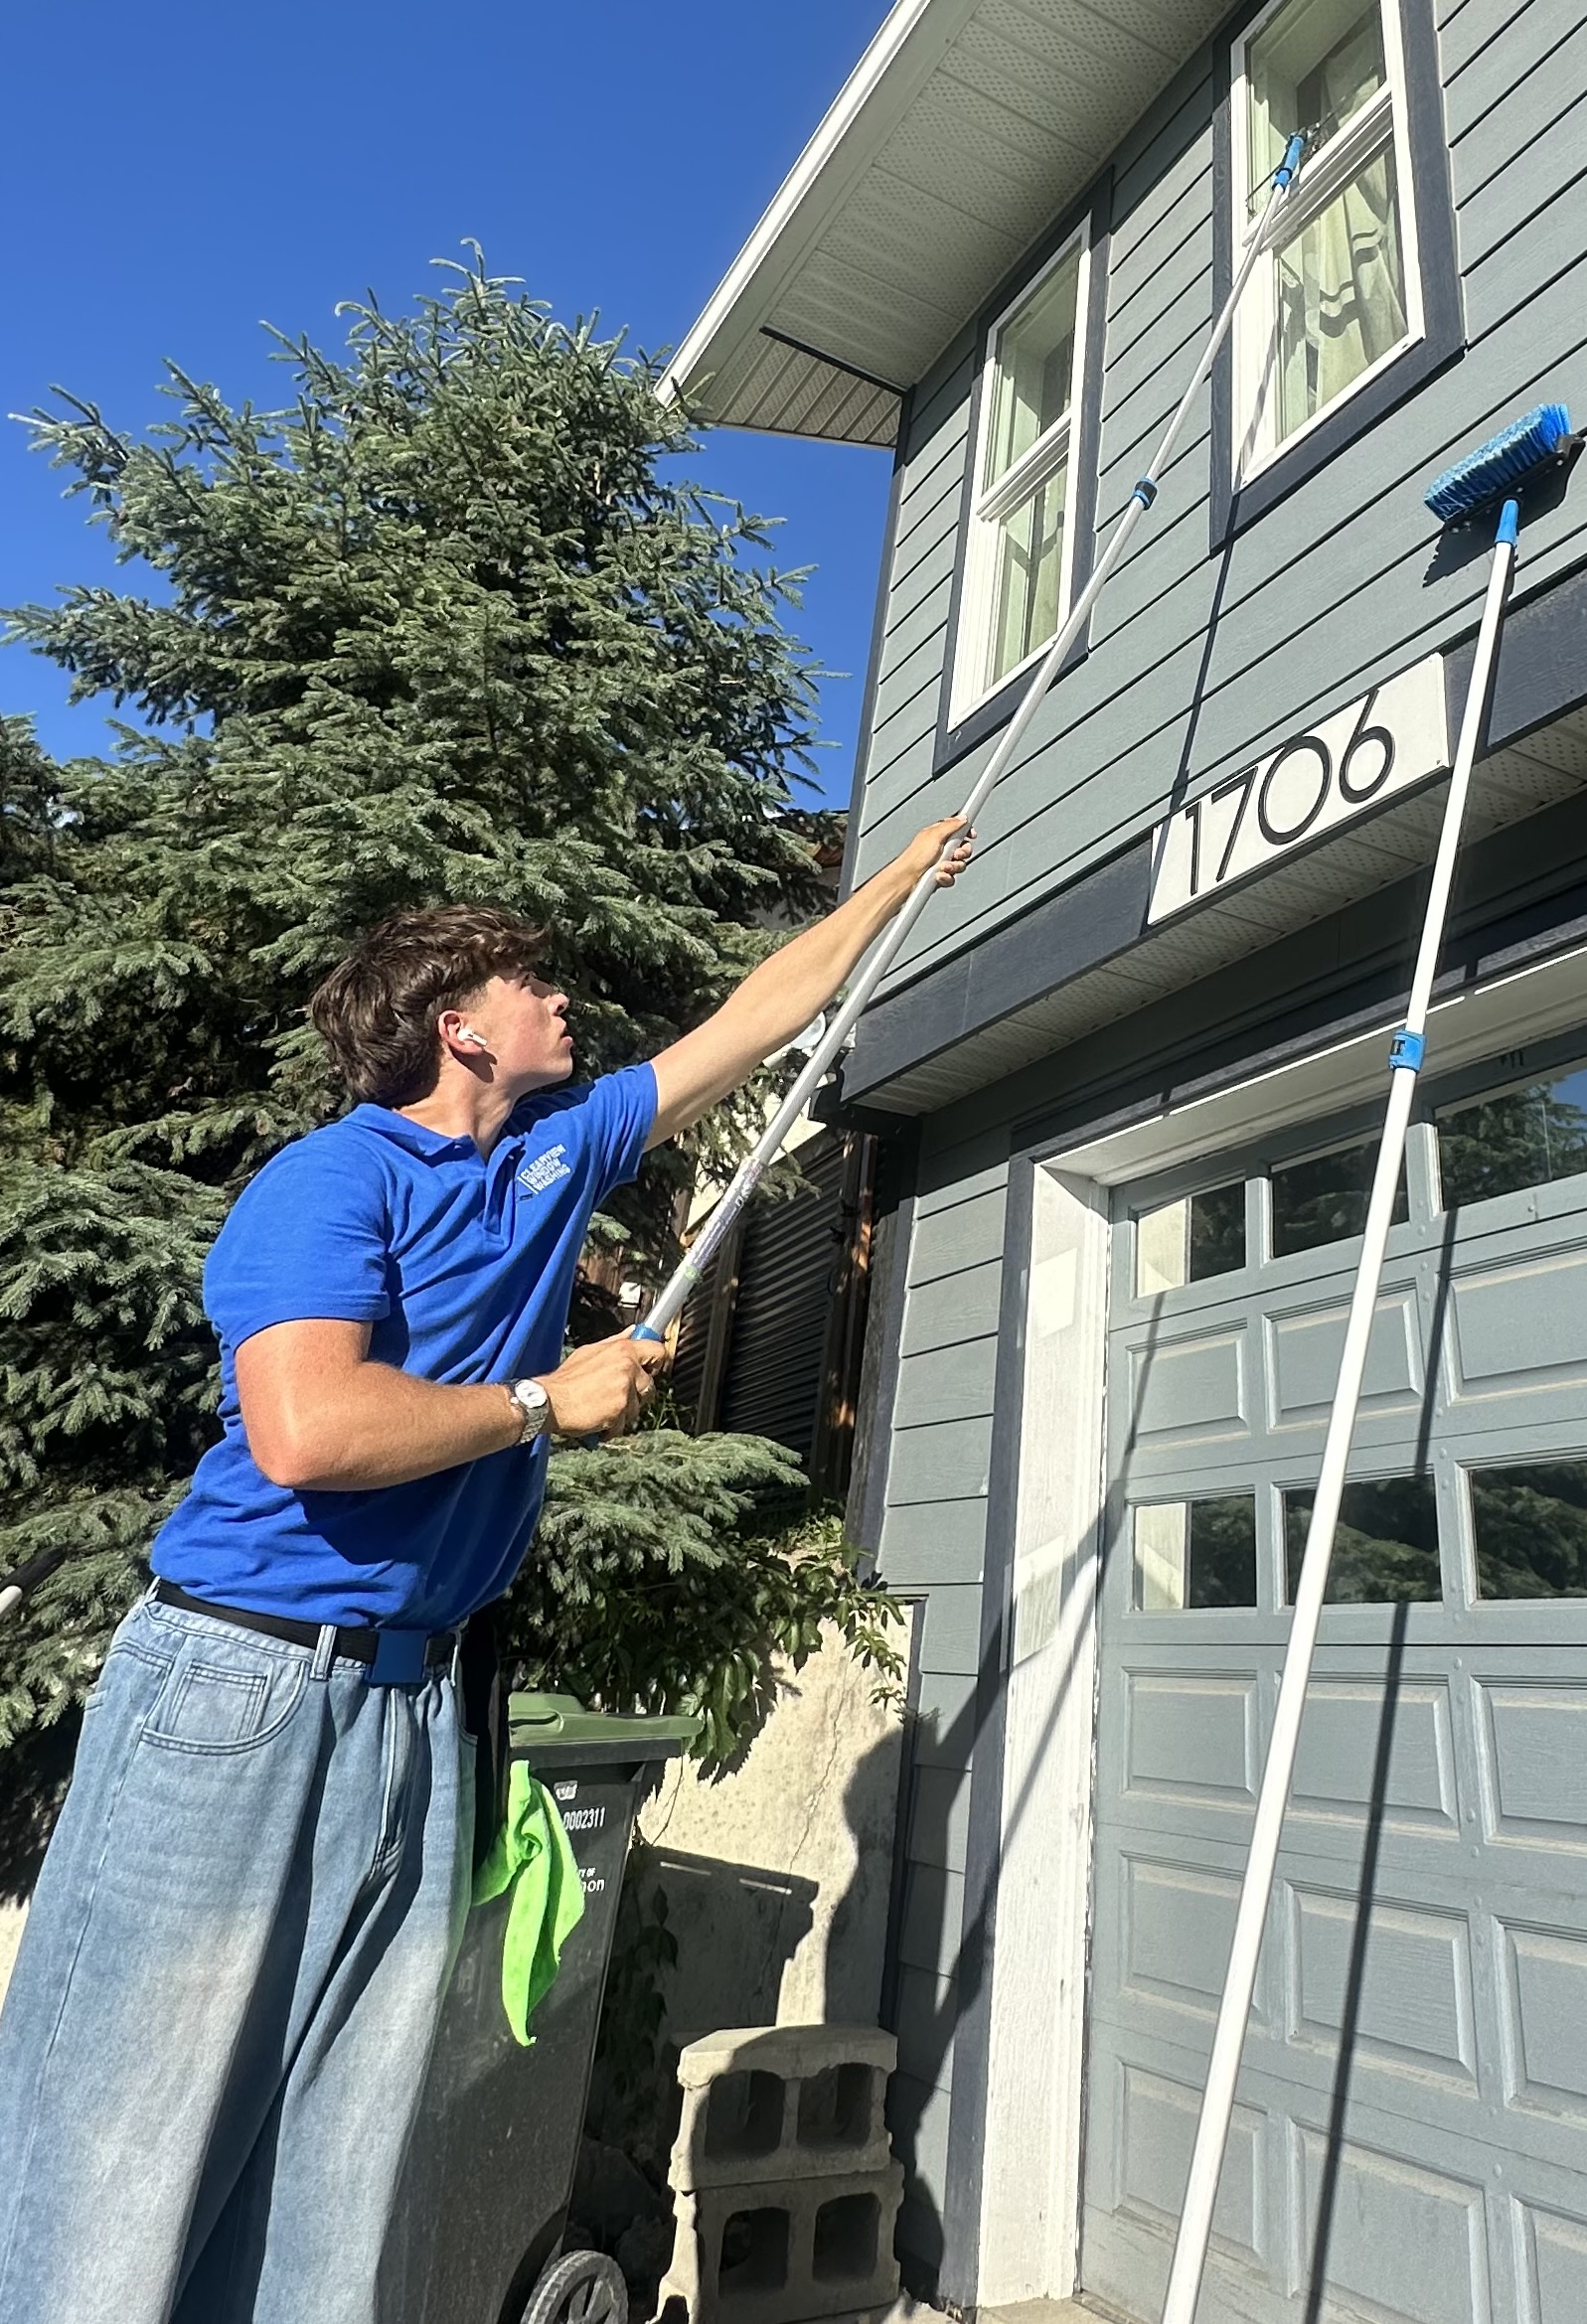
x,y
534,1405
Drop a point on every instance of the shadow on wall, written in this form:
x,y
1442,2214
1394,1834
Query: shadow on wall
x,y
737,1928
777,1877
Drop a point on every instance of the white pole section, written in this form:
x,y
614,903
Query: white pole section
x,y
888,944
1228,2039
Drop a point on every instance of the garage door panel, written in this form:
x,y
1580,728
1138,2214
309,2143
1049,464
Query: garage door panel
x,y
1553,2264
1415,1985
1424,2217
1304,1350
1143,2123
1189,1389
1174,1926
1543,1989
1337,1770
1521,1327
1190,1736
1533,1740
1404,2242
1404,1983
1156,2127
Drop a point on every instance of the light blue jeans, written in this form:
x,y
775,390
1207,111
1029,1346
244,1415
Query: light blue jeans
x,y
217,2031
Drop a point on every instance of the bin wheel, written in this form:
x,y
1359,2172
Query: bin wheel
x,y
581,2288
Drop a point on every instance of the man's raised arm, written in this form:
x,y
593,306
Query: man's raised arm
x,y
781,996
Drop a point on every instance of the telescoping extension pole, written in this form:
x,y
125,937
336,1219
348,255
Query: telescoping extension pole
x,y
1539,438
888,944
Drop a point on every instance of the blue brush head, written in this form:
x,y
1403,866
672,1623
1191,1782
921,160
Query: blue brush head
x,y
1502,463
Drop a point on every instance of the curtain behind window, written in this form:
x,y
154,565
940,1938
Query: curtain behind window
x,y
1342,279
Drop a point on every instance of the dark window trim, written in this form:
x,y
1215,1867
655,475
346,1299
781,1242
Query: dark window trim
x,y
1444,336
1094,212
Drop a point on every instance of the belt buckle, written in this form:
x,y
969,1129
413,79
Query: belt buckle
x,y
398,1658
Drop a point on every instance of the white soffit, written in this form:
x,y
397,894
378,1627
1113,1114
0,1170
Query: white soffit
x,y
965,130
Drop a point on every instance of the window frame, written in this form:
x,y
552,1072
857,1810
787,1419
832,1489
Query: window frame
x,y
970,687
1323,177
1237,501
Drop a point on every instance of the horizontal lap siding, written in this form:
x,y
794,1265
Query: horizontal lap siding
x,y
1199,660
933,1550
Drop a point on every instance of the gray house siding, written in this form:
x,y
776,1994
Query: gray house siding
x,y
1198,660
931,1548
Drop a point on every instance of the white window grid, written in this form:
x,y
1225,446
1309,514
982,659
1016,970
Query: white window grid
x,y
1381,123
972,682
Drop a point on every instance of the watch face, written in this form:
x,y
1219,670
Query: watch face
x,y
534,1405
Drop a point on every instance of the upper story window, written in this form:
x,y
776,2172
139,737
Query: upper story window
x,y
1019,557
1337,294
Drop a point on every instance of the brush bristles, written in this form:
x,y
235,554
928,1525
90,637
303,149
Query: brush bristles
x,y
1500,463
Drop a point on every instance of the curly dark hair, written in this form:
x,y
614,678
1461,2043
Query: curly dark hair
x,y
377,1011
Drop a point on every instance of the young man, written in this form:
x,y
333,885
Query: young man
x,y
221,2016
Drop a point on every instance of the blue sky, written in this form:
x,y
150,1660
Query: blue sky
x,y
175,173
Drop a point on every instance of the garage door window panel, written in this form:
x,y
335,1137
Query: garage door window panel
x,y
1323,1199
1194,1555
1190,1240
1385,1548
1508,1140
1529,1529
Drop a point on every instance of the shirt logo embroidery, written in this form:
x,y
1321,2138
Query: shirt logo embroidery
x,y
545,1170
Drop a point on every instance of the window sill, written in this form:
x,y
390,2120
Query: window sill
x,y
995,709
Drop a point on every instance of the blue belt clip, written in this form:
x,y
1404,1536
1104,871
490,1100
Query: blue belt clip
x,y
398,1658
1406,1051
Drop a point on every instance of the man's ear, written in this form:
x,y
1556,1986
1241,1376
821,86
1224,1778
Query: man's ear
x,y
459,1038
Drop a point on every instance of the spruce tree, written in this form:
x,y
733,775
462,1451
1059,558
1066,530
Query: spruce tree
x,y
445,626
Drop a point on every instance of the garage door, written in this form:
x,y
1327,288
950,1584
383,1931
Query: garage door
x,y
1412,2125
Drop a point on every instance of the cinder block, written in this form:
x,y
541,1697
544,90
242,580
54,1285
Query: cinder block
x,y
765,2103
786,2253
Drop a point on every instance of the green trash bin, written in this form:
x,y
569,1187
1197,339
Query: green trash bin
x,y
478,2230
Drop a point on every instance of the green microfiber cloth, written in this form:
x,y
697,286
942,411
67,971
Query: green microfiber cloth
x,y
531,1857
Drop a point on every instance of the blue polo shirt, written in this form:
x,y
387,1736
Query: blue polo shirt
x,y
463,1267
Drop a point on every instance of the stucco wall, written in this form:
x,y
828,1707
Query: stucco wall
x,y
777,1875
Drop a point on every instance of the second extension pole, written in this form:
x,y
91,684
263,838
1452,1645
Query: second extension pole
x,y
885,951
1405,1057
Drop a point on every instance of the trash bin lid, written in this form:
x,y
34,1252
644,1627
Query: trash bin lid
x,y
560,1723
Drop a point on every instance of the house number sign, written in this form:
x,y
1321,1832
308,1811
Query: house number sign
x,y
1394,738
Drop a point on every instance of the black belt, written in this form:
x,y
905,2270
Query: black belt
x,y
396,1657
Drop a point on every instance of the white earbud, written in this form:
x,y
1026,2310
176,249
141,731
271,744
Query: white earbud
x,y
467,1033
